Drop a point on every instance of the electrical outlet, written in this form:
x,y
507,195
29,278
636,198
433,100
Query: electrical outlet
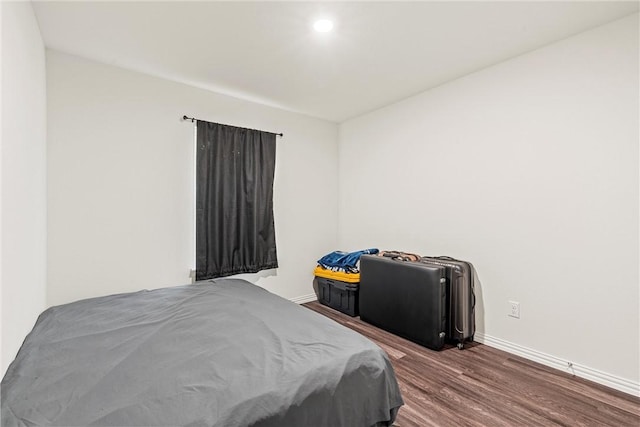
x,y
514,309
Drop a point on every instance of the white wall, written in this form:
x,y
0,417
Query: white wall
x,y
4,359
529,169
23,172
120,181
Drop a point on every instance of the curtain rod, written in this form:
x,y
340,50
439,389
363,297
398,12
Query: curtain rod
x,y
193,120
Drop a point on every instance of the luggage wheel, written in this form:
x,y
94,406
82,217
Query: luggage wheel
x,y
460,345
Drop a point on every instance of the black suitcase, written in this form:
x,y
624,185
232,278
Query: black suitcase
x,y
404,298
461,299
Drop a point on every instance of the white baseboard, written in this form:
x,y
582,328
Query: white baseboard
x,y
586,372
304,298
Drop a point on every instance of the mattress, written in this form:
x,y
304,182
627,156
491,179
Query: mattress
x,y
218,353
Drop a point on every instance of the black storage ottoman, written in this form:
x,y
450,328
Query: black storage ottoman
x,y
341,296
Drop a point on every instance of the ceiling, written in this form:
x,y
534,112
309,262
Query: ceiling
x,y
267,52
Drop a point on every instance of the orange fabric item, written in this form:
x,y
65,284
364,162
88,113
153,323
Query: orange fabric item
x,y
337,275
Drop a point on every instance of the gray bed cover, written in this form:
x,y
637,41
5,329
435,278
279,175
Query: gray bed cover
x,y
218,353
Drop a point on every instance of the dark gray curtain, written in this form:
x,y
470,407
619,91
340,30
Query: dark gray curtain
x,y
235,230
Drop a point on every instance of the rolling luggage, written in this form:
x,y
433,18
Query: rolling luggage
x,y
461,299
405,298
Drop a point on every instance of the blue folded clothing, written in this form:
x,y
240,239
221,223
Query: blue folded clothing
x,y
344,261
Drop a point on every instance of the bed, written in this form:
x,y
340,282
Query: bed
x,y
217,353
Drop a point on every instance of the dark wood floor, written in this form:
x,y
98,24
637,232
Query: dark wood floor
x,y
483,386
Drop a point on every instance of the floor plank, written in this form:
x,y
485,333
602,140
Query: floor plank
x,y
483,386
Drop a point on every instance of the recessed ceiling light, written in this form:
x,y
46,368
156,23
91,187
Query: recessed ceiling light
x,y
323,25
